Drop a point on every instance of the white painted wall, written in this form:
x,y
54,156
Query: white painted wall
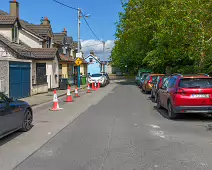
x,y
6,32
52,69
29,39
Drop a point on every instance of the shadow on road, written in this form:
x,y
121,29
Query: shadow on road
x,y
10,137
186,117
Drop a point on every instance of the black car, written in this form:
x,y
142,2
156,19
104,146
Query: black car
x,y
14,115
108,78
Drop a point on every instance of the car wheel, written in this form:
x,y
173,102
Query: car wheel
x,y
158,103
171,114
27,122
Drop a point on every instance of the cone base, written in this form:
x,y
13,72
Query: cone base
x,y
69,101
56,109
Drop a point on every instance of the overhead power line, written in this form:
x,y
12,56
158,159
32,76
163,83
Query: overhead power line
x,y
84,17
65,5
90,27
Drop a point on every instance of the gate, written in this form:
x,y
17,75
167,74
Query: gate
x,y
19,77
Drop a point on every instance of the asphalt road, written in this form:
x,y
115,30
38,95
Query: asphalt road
x,y
124,131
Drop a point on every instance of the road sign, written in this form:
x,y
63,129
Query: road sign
x,y
78,61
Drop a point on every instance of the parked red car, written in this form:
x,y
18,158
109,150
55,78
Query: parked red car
x,y
186,94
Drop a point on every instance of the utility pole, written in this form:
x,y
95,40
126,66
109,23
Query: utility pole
x,y
103,66
78,48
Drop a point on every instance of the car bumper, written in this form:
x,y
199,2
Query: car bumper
x,y
193,109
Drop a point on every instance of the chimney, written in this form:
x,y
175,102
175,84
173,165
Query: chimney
x,y
45,21
14,8
65,31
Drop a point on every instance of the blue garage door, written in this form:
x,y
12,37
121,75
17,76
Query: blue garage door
x,y
19,80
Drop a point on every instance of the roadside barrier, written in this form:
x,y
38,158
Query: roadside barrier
x,y
55,103
76,92
68,95
88,88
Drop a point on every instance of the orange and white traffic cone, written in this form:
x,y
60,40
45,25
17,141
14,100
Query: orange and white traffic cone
x,y
93,87
55,103
98,84
88,89
69,96
76,92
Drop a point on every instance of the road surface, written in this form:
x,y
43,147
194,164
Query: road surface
x,y
124,131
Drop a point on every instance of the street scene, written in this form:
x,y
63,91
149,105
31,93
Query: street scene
x,y
113,85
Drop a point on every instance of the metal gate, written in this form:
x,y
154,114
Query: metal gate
x,y
19,78
41,77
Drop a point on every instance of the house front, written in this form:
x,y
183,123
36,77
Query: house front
x,y
38,40
94,65
15,60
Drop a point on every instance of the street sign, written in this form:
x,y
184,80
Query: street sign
x,y
78,61
79,55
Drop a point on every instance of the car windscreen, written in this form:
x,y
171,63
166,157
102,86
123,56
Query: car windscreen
x,y
96,75
154,78
195,83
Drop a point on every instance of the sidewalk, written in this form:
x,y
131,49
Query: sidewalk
x,y
46,97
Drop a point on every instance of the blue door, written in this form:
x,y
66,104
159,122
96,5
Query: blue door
x,y
19,79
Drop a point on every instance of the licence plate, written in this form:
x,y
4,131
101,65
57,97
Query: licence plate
x,y
200,96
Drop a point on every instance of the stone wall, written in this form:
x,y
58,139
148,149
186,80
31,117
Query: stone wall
x,y
4,77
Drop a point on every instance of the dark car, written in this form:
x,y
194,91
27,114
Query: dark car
x,y
14,115
156,85
186,94
108,78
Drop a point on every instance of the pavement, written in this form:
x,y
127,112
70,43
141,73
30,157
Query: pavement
x,y
116,128
43,98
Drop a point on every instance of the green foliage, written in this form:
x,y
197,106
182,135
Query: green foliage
x,y
165,35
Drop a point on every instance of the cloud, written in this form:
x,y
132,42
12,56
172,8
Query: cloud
x,y
97,47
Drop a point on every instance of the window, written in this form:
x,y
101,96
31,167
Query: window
x,y
195,83
48,42
64,50
15,34
147,78
60,66
90,60
171,82
165,83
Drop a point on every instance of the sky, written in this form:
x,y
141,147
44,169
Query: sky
x,y
103,16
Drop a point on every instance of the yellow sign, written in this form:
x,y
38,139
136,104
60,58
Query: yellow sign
x,y
78,61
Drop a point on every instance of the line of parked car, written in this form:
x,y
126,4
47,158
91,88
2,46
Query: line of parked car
x,y
178,93
102,78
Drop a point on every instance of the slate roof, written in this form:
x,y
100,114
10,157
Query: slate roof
x,y
44,53
41,30
66,58
7,20
58,37
70,40
22,50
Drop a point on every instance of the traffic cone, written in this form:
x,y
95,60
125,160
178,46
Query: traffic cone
x,y
76,92
98,84
69,96
88,89
55,103
93,87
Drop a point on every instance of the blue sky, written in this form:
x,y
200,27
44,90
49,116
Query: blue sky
x,y
104,14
